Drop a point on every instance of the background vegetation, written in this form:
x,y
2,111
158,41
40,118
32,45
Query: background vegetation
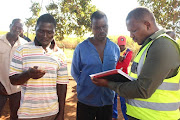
x,y
73,17
166,12
68,44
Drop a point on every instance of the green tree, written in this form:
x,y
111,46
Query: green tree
x,y
72,16
31,21
167,13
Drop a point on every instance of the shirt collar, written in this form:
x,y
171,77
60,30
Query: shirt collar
x,y
153,37
91,43
48,49
4,39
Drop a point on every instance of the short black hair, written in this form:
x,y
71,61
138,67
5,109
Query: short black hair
x,y
15,20
98,15
141,13
46,18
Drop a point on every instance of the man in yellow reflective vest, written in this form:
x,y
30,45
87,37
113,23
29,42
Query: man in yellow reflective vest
x,y
155,92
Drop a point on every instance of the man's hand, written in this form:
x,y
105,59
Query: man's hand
x,y
121,58
100,82
20,79
36,73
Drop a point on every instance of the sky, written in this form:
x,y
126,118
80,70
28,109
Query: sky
x,y
116,11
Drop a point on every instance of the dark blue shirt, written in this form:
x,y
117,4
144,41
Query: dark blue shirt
x,y
86,61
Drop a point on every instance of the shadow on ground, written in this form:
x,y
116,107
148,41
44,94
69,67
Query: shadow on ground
x,y
71,100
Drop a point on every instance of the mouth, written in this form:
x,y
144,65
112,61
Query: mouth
x,y
17,32
102,35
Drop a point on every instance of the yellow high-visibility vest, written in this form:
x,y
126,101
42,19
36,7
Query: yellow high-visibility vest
x,y
165,101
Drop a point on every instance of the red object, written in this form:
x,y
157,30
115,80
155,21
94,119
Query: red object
x,y
125,63
115,75
106,73
121,40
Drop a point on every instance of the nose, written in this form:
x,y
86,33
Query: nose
x,y
44,34
18,28
101,29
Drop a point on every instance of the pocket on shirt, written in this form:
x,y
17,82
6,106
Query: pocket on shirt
x,y
111,61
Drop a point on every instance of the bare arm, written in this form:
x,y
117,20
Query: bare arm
x,y
61,92
19,79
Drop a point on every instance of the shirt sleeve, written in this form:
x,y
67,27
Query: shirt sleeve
x,y
125,63
127,59
62,73
75,66
161,62
16,65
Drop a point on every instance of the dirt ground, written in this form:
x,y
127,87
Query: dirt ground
x,y
70,108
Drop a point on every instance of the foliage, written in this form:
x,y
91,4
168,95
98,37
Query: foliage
x,y
31,36
71,43
129,44
69,54
166,13
72,16
31,21
3,32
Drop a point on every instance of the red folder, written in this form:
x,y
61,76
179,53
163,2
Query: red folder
x,y
116,75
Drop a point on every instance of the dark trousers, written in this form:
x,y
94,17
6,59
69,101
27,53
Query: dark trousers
x,y
85,112
14,103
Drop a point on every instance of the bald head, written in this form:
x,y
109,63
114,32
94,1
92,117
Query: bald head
x,y
141,24
141,14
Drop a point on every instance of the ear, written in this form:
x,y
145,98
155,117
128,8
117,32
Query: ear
x,y
147,24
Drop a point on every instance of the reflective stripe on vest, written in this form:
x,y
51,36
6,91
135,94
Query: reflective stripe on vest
x,y
169,86
154,106
165,101
136,68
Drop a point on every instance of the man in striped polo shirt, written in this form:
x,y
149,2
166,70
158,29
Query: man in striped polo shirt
x,y
42,74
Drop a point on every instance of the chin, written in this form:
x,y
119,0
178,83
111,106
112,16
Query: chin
x,y
44,44
102,38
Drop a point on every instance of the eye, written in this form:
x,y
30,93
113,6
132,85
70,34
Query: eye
x,y
50,32
105,26
97,28
40,31
133,31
